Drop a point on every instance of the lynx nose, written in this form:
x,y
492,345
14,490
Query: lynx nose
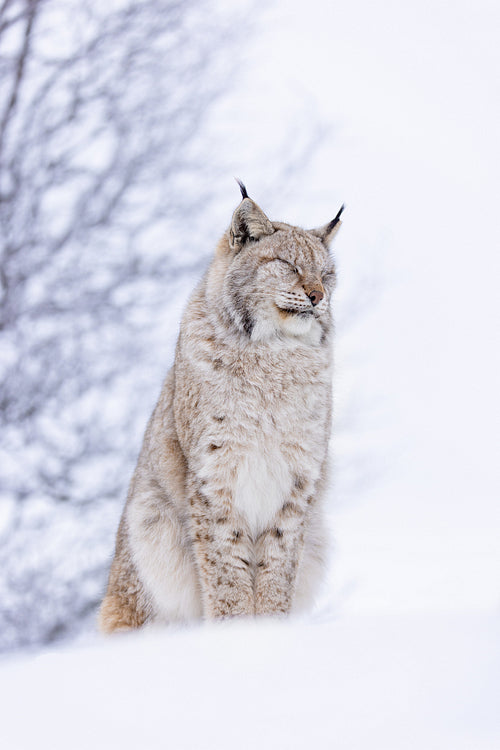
x,y
315,296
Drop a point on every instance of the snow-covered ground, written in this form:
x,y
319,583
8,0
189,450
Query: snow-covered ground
x,y
385,682
403,651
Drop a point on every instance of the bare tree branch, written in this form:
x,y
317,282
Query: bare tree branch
x,y
32,8
101,108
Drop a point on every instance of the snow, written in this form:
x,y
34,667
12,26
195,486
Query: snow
x,y
354,682
403,650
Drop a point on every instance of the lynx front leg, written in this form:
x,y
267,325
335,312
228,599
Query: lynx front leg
x,y
223,557
278,554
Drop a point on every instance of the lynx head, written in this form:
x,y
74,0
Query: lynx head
x,y
274,279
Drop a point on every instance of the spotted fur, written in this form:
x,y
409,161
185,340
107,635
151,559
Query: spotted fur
x,y
223,515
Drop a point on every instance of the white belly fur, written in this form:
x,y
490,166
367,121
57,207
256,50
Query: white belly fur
x,y
262,486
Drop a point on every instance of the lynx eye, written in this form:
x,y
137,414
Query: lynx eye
x,y
294,268
328,275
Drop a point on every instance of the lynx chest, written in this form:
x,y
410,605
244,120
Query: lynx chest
x,y
258,426
275,436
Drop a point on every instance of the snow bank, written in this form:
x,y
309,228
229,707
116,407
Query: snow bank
x,y
356,682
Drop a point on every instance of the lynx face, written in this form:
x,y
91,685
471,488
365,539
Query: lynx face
x,y
277,279
281,284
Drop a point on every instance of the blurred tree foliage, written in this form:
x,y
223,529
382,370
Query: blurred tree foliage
x,y
101,109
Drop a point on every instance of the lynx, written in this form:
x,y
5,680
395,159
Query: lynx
x,y
224,511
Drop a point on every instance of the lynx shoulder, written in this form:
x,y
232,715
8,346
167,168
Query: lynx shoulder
x,y
224,511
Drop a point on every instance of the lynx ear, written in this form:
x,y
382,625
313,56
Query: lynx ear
x,y
249,222
328,232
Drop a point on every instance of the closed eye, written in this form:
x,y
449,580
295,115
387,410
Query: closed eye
x,y
289,264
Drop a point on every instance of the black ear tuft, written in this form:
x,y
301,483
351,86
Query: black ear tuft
x,y
243,189
249,222
335,221
328,232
